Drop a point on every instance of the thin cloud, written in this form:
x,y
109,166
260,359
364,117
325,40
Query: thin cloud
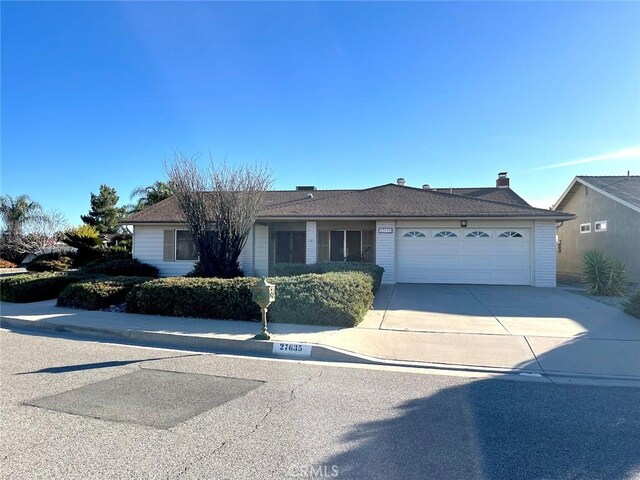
x,y
623,154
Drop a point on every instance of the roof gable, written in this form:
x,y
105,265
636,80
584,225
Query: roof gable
x,y
623,189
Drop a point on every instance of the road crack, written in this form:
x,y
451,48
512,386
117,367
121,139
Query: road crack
x,y
236,438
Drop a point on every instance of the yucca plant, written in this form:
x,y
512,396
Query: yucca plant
x,y
602,274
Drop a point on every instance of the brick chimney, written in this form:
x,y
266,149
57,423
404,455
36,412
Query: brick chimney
x,y
503,180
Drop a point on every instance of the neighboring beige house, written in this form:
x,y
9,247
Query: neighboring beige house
x,y
486,235
607,218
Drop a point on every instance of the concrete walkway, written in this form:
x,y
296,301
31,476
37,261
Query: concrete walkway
x,y
476,328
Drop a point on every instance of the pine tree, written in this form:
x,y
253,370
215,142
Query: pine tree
x,y
104,215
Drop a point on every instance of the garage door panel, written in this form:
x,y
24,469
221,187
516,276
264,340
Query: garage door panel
x,y
494,259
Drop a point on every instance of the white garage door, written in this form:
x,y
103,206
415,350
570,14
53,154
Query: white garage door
x,y
476,256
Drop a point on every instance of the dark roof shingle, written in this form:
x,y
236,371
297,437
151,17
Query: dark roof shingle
x,y
385,201
625,188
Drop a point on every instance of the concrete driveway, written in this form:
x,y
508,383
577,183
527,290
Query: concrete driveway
x,y
498,310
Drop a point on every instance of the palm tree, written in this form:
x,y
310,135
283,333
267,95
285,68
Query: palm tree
x,y
15,212
151,195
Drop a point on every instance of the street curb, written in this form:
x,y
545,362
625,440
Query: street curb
x,y
264,348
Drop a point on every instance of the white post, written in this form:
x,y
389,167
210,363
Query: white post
x,y
386,249
312,243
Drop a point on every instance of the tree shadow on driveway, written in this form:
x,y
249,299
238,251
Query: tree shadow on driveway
x,y
500,429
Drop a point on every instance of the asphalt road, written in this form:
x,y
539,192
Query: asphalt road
x,y
77,409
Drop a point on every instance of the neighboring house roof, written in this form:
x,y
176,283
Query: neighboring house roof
x,y
623,189
384,201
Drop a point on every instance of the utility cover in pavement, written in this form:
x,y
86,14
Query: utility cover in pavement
x,y
156,398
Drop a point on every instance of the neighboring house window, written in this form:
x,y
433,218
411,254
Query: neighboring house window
x,y
185,250
601,226
414,234
477,234
585,227
510,234
445,234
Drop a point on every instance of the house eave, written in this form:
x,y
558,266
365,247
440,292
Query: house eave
x,y
559,217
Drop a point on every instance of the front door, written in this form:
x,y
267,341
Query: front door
x,y
345,245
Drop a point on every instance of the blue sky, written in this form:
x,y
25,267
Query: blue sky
x,y
337,95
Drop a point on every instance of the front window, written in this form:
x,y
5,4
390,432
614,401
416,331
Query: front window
x,y
601,226
585,227
345,245
290,247
185,250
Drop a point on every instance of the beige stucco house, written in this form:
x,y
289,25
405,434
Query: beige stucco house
x,y
607,217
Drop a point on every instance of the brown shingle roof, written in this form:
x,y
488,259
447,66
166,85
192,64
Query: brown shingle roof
x,y
385,201
505,195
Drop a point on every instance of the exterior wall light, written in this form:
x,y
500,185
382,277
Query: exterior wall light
x,y
463,223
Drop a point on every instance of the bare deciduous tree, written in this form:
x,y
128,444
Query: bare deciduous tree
x,y
39,233
220,205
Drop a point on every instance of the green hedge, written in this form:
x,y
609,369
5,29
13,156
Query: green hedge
x,y
288,269
335,299
121,266
99,293
51,262
632,305
34,287
338,299
225,299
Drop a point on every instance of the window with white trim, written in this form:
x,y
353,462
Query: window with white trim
x,y
585,227
185,249
445,234
414,234
600,226
477,234
510,234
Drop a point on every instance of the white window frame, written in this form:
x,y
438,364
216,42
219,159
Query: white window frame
x,y
414,234
478,234
175,246
445,234
344,241
601,223
588,230
510,234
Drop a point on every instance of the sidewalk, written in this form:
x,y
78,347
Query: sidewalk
x,y
551,357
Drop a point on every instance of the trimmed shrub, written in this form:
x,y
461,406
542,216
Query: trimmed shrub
x,y
98,293
121,266
603,275
338,299
6,263
225,299
33,287
51,262
334,299
288,269
632,305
